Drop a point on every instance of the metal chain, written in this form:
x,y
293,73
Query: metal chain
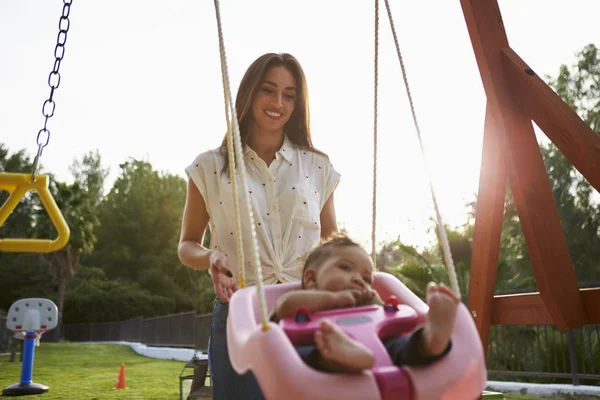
x,y
43,136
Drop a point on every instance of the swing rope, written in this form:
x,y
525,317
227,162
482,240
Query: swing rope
x,y
232,158
234,147
233,135
440,223
375,120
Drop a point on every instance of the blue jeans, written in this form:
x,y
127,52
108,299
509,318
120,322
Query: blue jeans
x,y
227,384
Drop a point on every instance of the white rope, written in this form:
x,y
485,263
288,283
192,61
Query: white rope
x,y
441,227
375,114
234,145
233,135
234,184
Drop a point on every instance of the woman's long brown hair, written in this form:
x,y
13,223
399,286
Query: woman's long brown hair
x,y
297,129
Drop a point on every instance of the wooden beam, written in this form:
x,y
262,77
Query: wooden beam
x,y
591,300
530,186
487,230
577,141
520,309
529,308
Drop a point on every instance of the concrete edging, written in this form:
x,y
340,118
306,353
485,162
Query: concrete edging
x,y
549,391
163,353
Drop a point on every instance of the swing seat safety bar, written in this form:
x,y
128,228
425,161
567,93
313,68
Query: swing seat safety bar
x,y
17,185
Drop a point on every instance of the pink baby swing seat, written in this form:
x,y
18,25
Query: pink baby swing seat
x,y
282,374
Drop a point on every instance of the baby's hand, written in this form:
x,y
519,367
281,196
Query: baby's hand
x,y
346,298
366,297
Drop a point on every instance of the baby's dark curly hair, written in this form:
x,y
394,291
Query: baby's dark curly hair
x,y
320,253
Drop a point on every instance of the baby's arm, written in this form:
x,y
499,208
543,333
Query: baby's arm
x,y
368,297
313,300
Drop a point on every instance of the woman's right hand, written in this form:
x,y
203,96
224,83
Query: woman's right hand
x,y
222,278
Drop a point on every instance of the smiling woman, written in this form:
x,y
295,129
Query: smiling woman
x,y
290,186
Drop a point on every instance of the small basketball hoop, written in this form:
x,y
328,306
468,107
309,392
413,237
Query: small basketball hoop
x,y
32,317
35,315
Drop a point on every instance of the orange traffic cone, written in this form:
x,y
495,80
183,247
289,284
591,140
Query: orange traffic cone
x,y
121,379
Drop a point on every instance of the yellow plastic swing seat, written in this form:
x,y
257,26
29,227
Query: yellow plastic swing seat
x,y
17,185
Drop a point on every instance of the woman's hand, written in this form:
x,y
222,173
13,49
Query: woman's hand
x,y
222,278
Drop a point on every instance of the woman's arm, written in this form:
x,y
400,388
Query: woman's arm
x,y
328,220
193,226
193,254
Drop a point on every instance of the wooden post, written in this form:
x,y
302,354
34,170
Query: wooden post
x,y
487,230
517,155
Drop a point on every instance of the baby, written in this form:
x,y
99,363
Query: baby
x,y
339,273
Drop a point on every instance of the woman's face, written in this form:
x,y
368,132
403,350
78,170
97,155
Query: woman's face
x,y
274,101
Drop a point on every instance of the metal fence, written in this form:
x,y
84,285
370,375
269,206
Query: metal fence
x,y
543,353
176,330
529,353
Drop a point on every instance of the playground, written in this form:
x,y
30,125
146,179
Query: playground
x,y
90,371
513,163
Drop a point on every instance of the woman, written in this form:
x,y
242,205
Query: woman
x,y
290,185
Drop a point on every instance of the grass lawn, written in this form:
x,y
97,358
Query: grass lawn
x,y
90,371
86,372
524,398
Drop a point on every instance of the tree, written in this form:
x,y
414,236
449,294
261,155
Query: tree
x,y
79,214
92,297
514,266
139,234
579,86
90,175
78,203
413,268
461,243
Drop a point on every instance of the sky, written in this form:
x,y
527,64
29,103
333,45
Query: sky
x,y
141,79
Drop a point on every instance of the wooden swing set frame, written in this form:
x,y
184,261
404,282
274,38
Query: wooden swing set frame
x,y
516,96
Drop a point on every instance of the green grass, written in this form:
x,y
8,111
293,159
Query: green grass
x,y
89,372
523,398
507,397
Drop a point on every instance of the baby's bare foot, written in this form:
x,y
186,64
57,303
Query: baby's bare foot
x,y
340,352
443,304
